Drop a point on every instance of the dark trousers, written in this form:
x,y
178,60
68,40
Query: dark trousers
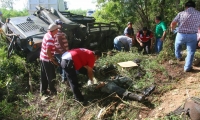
x,y
61,70
70,70
47,76
146,47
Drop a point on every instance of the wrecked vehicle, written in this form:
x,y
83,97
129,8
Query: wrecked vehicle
x,y
81,31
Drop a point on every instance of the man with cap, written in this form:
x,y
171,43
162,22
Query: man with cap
x,y
144,37
48,62
61,44
128,31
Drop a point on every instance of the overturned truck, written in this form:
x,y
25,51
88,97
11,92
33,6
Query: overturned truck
x,y
81,31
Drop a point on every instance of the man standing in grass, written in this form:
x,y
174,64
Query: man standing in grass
x,y
48,62
61,44
129,32
160,34
189,22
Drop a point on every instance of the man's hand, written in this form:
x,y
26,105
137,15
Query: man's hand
x,y
90,82
162,38
199,43
141,44
151,47
54,62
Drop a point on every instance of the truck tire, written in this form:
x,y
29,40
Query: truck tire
x,y
32,56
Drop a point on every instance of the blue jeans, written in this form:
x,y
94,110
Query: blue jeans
x,y
61,70
118,45
158,45
190,40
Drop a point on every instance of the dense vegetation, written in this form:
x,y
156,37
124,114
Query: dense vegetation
x,y
12,13
140,12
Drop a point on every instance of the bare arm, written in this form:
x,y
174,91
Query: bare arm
x,y
90,72
163,36
173,25
131,36
51,57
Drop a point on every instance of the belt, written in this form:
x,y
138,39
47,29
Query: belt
x,y
188,32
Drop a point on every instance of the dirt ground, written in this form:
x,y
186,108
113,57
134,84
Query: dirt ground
x,y
186,84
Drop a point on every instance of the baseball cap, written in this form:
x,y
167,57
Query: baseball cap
x,y
52,27
58,22
129,23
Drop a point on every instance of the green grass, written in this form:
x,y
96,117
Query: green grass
x,y
14,79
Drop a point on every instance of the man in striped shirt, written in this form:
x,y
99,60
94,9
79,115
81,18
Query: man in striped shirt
x,y
188,21
47,61
61,44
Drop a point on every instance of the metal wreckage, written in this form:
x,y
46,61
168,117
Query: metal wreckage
x,y
81,31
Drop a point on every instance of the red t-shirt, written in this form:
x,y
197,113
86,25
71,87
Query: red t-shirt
x,y
143,37
82,57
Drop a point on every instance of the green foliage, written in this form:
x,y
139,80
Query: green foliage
x,y
79,12
167,52
7,111
140,12
175,117
12,13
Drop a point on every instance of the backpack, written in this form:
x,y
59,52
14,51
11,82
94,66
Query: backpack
x,y
189,110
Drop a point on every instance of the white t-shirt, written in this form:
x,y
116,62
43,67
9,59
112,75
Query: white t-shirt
x,y
125,40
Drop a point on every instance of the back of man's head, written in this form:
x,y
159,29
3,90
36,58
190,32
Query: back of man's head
x,y
97,52
158,18
190,4
144,28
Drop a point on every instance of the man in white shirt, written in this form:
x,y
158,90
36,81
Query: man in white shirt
x,y
122,41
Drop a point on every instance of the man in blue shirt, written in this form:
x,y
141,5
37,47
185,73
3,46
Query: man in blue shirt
x,y
128,31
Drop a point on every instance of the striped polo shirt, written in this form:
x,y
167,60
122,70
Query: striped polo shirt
x,y
48,42
60,38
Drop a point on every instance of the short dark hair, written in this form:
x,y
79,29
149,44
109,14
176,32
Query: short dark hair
x,y
158,18
190,4
97,52
129,23
144,28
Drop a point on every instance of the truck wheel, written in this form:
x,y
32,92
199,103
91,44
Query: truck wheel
x,y
32,56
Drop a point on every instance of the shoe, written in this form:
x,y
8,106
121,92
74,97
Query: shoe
x,y
147,91
180,59
84,103
46,92
189,70
136,97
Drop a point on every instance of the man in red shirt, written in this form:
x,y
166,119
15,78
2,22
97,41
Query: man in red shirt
x,y
144,37
47,61
75,59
